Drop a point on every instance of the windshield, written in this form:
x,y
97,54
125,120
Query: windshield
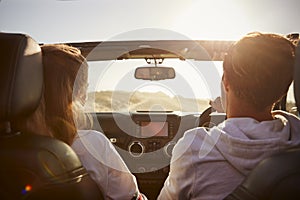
x,y
112,86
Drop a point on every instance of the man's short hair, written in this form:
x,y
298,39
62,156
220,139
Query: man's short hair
x,y
259,68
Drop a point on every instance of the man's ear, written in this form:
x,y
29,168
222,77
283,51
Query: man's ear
x,y
225,82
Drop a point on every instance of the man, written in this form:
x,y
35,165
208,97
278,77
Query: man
x,y
210,164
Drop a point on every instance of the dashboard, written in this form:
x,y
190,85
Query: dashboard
x,y
145,141
141,136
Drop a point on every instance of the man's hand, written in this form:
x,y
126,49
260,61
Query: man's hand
x,y
217,105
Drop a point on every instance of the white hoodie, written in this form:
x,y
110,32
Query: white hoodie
x,y
209,164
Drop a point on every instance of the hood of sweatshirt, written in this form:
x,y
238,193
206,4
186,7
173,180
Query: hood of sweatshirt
x,y
244,142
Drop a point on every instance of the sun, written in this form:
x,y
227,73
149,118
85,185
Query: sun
x,y
212,20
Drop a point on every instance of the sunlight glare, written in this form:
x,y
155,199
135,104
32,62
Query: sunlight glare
x,y
216,19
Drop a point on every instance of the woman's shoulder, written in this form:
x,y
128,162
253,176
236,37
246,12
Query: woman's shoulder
x,y
90,133
92,136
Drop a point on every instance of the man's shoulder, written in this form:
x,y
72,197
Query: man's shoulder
x,y
199,133
198,145
194,138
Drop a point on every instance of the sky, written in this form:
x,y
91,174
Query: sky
x,y
50,21
58,21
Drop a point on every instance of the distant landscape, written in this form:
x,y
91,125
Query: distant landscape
x,y
121,101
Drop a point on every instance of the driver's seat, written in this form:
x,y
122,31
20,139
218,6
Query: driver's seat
x,y
32,166
277,177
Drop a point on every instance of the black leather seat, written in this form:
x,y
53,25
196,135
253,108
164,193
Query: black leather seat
x,y
277,177
297,78
32,166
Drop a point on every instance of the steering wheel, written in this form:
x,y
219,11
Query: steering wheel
x,y
205,118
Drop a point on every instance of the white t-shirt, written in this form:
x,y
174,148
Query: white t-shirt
x,y
105,165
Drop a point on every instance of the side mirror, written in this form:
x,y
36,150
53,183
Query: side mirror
x,y
154,73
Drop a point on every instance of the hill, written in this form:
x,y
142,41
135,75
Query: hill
x,y
121,101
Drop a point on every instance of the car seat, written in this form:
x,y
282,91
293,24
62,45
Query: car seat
x,y
276,177
32,166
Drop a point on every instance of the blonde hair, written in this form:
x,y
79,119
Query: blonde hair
x,y
65,78
259,68
65,74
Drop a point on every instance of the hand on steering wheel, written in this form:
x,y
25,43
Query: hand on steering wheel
x,y
217,105
205,117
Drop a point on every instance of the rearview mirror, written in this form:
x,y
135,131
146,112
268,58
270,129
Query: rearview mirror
x,y
154,73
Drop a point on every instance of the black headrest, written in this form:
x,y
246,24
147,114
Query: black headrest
x,y
297,78
21,75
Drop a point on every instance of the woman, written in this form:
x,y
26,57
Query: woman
x,y
65,84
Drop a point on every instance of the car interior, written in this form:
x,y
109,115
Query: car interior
x,y
36,167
